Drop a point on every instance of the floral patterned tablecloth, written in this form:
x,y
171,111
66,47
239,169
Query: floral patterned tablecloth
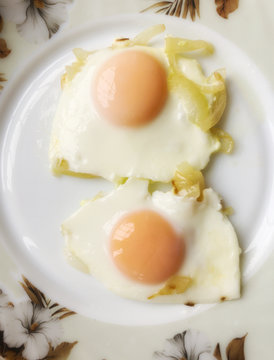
x,y
34,327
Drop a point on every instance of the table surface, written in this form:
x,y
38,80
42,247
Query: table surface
x,y
251,27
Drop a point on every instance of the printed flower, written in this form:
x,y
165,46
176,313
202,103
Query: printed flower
x,y
30,325
36,20
188,345
181,8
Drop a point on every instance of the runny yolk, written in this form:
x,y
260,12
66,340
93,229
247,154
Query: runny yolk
x,y
130,88
145,247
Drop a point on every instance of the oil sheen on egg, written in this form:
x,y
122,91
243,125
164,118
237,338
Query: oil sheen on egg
x,y
157,248
117,118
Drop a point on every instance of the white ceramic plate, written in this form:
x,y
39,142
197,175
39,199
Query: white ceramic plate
x,y
34,203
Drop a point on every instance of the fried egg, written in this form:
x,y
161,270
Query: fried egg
x,y
159,247
133,110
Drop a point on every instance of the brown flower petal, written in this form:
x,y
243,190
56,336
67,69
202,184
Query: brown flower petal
x,y
235,349
39,4
176,8
2,77
13,354
62,351
1,23
217,352
1,80
35,295
225,7
4,51
160,6
191,6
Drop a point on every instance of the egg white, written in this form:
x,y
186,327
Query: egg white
x,y
91,145
212,250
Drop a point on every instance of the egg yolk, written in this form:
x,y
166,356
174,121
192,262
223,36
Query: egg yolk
x,y
145,247
130,88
